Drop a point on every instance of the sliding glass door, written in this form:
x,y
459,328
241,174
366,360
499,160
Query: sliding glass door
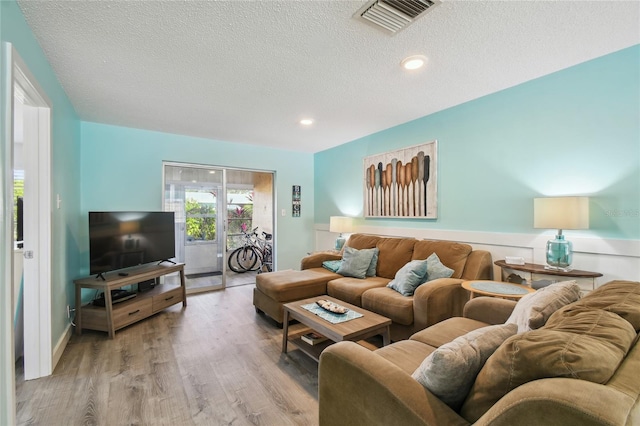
x,y
213,208
196,195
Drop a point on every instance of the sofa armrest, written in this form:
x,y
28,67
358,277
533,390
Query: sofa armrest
x,y
491,310
358,387
564,401
478,266
314,260
438,300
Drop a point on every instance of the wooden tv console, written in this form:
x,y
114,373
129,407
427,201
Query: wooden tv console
x,y
114,317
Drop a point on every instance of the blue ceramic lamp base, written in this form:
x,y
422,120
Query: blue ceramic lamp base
x,y
340,242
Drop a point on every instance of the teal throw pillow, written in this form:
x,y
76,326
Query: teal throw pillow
x,y
435,269
355,263
371,272
332,265
409,277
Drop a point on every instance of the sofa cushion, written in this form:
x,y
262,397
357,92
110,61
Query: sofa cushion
x,y
454,255
350,289
620,297
587,345
533,310
355,263
436,269
389,303
394,254
406,354
371,271
287,286
409,277
362,241
449,371
447,330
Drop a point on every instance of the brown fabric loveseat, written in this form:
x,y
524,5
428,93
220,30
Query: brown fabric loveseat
x,y
432,302
581,368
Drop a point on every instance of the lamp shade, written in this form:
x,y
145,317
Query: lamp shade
x,y
131,227
340,224
561,213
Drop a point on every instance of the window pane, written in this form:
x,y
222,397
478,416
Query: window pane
x,y
18,191
201,212
239,215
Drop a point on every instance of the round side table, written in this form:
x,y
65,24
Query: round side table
x,y
496,289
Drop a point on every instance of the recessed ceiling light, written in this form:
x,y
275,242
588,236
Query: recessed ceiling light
x,y
306,121
413,62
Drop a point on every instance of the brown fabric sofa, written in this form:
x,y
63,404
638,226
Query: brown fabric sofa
x,y
432,302
562,382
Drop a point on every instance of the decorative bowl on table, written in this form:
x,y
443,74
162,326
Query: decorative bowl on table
x,y
332,307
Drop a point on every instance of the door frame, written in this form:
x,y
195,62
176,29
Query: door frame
x,y
7,361
220,223
38,352
222,236
38,355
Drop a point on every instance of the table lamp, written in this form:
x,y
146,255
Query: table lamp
x,y
340,224
560,213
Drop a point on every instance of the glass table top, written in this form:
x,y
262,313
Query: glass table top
x,y
498,287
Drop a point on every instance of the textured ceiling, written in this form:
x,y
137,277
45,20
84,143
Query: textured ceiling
x,y
248,71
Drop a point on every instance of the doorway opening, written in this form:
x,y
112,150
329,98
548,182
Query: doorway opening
x,y
31,115
19,84
18,224
213,208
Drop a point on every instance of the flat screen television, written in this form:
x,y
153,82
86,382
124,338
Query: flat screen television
x,y
120,240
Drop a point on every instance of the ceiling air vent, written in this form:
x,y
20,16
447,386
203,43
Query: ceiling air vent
x,y
394,15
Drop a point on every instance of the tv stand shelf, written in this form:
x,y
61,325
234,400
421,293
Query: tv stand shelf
x,y
114,317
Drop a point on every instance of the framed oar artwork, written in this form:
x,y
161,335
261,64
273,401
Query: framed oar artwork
x,y
402,183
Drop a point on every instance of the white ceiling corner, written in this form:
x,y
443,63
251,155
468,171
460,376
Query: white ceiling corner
x,y
248,71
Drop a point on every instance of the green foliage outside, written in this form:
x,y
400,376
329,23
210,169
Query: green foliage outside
x,y
201,221
201,218
239,216
18,191
239,221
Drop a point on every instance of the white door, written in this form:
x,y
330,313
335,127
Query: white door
x,y
7,373
195,194
37,232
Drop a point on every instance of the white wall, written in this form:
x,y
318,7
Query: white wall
x,y
615,259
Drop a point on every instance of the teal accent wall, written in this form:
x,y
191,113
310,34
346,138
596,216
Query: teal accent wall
x,y
65,128
574,132
122,170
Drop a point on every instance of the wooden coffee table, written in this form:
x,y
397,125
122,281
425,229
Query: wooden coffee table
x,y
368,325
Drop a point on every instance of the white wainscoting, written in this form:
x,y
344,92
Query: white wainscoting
x,y
615,259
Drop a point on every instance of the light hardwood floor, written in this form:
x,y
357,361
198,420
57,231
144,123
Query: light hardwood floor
x,y
215,363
